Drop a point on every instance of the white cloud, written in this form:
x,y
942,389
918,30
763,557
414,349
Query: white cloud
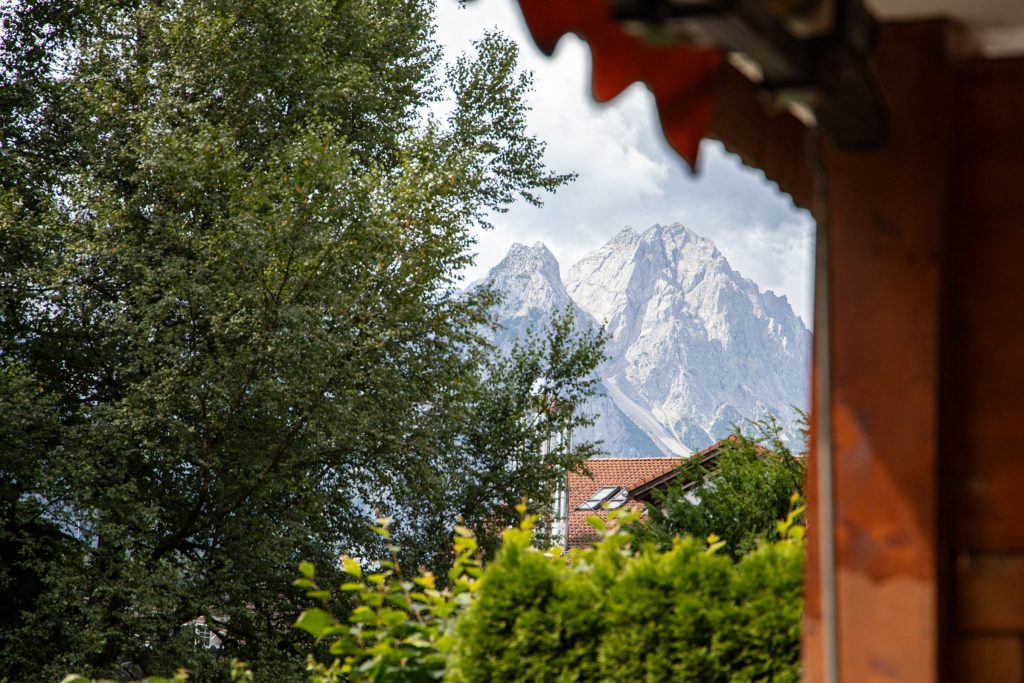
x,y
627,173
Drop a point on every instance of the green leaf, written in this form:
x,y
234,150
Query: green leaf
x,y
362,615
400,600
351,567
344,646
425,580
307,569
392,617
315,621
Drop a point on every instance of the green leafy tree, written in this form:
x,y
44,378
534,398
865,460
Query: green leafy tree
x,y
739,498
230,327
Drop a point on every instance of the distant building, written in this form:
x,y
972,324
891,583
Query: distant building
x,y
205,638
706,458
617,482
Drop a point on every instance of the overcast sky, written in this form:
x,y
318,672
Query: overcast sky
x,y
627,173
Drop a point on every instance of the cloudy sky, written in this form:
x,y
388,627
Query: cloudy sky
x,y
627,173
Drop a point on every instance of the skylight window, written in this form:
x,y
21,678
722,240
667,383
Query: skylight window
x,y
618,500
610,497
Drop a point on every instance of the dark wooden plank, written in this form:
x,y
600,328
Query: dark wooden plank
x,y
993,182
990,593
988,659
988,512
988,130
986,334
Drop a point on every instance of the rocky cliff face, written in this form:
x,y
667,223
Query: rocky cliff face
x,y
530,283
695,347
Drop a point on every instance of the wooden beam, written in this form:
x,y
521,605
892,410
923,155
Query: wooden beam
x,y
825,57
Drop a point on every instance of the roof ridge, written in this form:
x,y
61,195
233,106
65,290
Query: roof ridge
x,y
642,457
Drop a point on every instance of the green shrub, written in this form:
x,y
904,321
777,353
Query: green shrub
x,y
739,498
611,614
513,633
760,633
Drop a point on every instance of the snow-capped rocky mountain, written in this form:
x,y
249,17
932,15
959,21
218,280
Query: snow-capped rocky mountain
x,y
694,348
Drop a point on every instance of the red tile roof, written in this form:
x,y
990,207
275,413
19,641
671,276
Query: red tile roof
x,y
627,473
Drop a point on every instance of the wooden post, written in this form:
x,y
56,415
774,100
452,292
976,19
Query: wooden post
x,y
984,404
884,218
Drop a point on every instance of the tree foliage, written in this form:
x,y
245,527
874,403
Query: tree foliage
x,y
740,498
229,322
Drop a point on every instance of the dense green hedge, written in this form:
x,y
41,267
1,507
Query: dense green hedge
x,y
687,614
609,614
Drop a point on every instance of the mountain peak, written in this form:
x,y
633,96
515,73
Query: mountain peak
x,y
520,248
690,338
677,236
530,281
523,258
631,267
673,229
623,239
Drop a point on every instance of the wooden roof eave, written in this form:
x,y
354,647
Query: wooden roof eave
x,y
764,135
681,77
698,93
